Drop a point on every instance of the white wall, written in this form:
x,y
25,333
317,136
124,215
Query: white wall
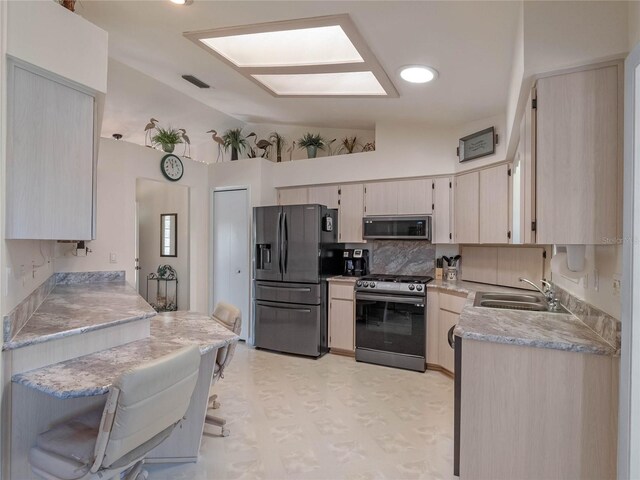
x,y
402,150
596,288
634,24
47,35
135,97
254,173
155,198
120,164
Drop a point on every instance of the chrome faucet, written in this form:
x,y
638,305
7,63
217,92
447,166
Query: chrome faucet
x,y
549,293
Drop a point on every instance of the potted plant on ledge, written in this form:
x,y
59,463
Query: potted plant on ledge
x,y
166,138
233,138
312,142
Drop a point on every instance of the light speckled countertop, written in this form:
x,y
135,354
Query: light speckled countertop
x,y
93,374
80,308
344,278
534,329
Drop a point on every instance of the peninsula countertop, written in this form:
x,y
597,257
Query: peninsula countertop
x,y
534,329
93,374
79,308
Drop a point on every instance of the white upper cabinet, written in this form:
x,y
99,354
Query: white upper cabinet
x,y
293,196
442,211
467,207
494,205
50,157
350,213
324,195
381,198
578,157
402,197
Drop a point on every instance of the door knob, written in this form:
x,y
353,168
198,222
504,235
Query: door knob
x,y
238,271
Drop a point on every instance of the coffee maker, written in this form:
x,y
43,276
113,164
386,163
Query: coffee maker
x,y
356,262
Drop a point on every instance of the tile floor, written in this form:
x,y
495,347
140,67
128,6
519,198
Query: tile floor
x,y
333,418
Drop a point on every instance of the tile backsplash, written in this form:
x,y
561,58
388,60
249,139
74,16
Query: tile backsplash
x,y
402,257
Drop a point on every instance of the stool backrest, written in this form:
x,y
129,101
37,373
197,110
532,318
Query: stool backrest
x,y
145,404
230,317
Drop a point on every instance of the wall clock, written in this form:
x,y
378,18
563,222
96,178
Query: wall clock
x,y
171,167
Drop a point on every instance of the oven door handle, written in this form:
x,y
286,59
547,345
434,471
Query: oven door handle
x,y
417,301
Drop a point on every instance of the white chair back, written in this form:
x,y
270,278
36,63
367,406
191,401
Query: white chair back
x,y
229,317
144,403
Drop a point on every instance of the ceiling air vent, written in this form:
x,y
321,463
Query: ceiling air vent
x,y
195,81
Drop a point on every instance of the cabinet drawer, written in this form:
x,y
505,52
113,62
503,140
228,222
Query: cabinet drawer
x,y
343,291
452,303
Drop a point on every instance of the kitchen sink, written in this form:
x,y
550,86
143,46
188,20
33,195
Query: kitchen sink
x,y
531,302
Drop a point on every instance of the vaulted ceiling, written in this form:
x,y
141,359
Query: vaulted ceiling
x,y
470,44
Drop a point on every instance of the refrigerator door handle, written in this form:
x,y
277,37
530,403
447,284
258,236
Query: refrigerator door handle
x,y
279,240
292,309
286,243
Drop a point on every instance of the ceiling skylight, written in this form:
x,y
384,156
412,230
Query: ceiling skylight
x,y
287,48
306,57
330,84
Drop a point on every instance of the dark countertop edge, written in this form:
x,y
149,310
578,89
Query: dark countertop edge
x,y
13,344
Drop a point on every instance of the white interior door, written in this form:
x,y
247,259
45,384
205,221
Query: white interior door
x,y
231,253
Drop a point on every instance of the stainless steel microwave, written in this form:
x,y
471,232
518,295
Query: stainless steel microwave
x,y
399,228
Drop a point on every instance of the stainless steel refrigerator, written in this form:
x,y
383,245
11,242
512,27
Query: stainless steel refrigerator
x,y
294,253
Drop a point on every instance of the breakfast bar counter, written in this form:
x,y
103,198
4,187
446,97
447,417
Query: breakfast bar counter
x,y
75,309
92,374
43,396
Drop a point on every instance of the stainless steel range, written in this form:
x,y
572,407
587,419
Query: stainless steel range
x,y
391,320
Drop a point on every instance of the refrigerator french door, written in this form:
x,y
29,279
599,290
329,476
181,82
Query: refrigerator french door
x,y
292,256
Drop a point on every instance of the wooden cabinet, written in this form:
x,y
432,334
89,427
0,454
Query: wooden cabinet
x,y
415,197
433,337
578,156
324,195
342,316
443,311
381,198
402,197
293,196
350,213
442,211
566,402
467,207
523,180
446,320
494,204
50,184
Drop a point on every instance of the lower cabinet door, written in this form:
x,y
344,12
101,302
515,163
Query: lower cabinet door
x,y
341,325
445,352
433,338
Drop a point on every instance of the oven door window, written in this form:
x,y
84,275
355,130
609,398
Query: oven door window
x,y
391,325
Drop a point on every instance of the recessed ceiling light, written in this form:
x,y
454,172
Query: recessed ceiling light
x,y
326,84
418,74
182,2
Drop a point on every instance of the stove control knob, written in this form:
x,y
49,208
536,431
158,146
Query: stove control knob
x,y
419,288
358,283
372,285
365,284
411,287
